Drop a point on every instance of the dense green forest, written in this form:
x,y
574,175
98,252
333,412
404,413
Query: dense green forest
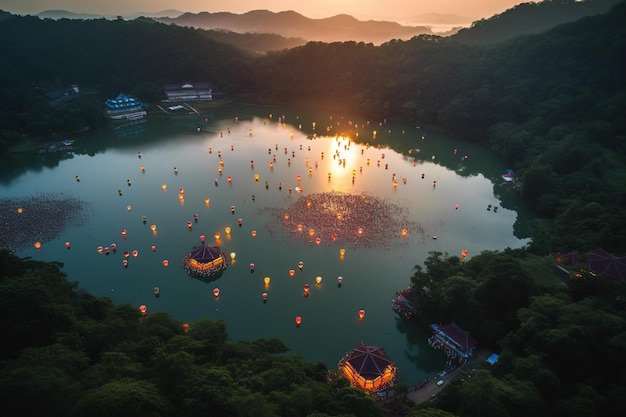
x,y
553,105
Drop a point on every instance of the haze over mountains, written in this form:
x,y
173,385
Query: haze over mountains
x,y
523,19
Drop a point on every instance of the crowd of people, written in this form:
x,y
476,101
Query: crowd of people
x,y
347,220
39,218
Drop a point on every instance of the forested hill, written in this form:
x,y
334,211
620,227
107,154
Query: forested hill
x,y
551,105
531,18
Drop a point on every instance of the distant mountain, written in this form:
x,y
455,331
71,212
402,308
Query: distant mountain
x,y
164,13
64,14
531,18
293,25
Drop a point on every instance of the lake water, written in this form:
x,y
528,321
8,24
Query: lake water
x,y
468,179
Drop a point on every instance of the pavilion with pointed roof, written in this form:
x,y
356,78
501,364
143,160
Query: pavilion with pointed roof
x,y
369,368
205,261
601,262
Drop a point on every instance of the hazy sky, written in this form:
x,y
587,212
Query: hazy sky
x,y
361,9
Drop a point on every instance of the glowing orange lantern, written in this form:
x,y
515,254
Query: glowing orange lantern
x,y
318,280
361,314
99,249
227,230
404,232
318,240
206,201
202,238
164,187
299,228
135,254
142,168
37,245
308,204
126,254
166,262
153,227
267,280
286,216
143,309
217,235
300,265
67,245
125,263
298,321
342,252
306,290
253,233
124,232
311,232
20,210
232,256
129,208
292,272
216,292
153,248
464,253
360,231
185,327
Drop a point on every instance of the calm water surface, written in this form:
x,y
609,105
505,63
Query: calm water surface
x,y
455,210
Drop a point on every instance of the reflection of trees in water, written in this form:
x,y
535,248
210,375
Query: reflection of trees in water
x,y
42,218
348,220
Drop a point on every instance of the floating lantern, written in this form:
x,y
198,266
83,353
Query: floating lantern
x,y
166,262
106,250
264,296
300,265
37,245
114,247
185,327
202,238
251,267
292,272
360,231
306,290
181,196
126,254
256,177
404,232
164,187
311,232
129,208
125,263
253,233
318,240
153,227
308,204
207,201
124,232
361,314
119,192
286,216
232,256
232,209
239,222
144,219
217,235
318,280
342,252
189,225
339,281
143,309
142,168
227,230
216,292
464,253
20,210
67,245
299,228
175,170
334,236
230,179
298,321
99,249
135,254
156,291
267,280
153,248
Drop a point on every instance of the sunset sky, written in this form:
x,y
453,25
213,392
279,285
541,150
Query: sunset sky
x,y
398,10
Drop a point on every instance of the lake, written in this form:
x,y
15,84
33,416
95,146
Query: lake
x,y
273,163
